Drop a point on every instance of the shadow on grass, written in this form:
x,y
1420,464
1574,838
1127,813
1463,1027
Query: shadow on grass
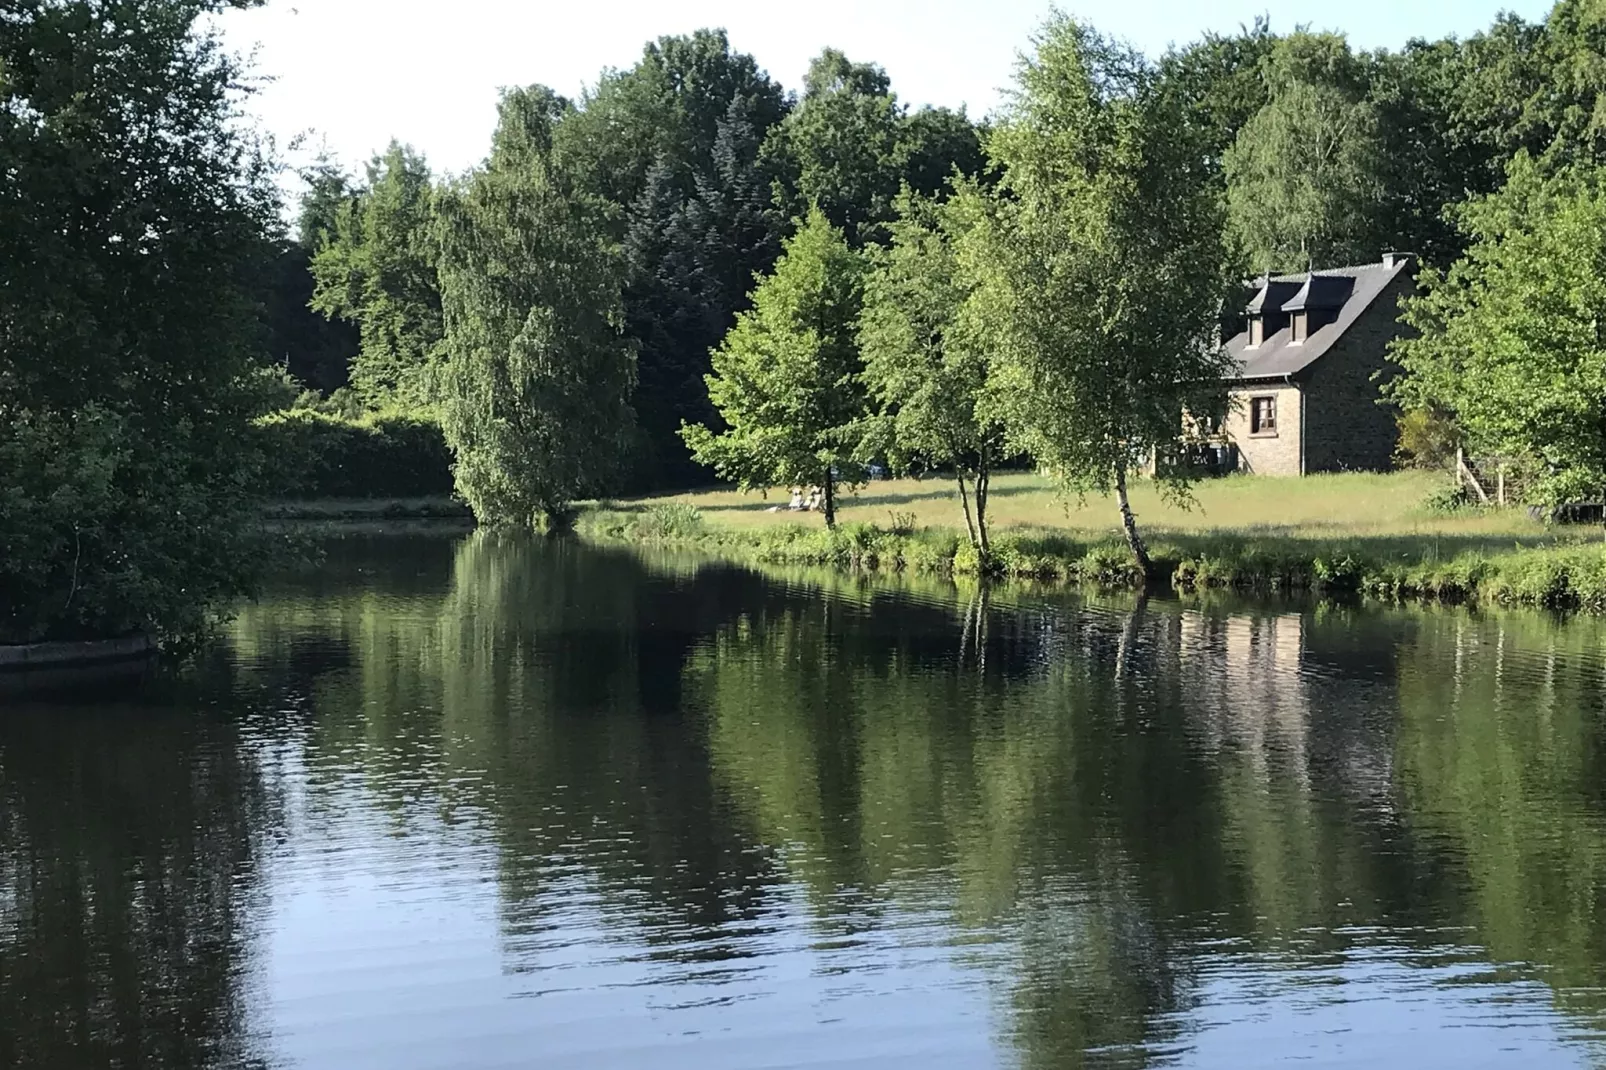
x,y
932,491
1289,543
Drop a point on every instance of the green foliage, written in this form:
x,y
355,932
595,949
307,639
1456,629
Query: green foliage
x,y
670,521
376,268
840,144
926,365
133,220
1103,267
849,146
692,259
1218,84
667,110
316,351
1429,438
1564,74
786,377
375,455
671,148
1448,498
535,402
1304,175
1510,338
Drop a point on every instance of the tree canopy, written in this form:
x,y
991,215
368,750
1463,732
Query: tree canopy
x,y
1510,338
1304,175
535,397
1103,267
135,213
927,363
376,267
785,380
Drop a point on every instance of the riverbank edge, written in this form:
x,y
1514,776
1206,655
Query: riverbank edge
x,y
26,657
1561,577
366,509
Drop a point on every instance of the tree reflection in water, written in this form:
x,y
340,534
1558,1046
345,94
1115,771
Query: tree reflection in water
x,y
1125,818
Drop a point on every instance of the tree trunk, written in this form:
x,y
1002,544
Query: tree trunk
x,y
984,478
1129,525
964,499
830,499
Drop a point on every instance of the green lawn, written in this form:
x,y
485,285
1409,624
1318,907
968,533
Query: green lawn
x,y
1370,533
1348,506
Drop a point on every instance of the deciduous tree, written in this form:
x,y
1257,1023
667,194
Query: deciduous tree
x,y
376,269
135,217
536,389
1304,177
926,363
786,378
1103,268
1510,337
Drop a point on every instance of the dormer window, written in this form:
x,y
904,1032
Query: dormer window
x,y
1301,327
1265,310
1317,304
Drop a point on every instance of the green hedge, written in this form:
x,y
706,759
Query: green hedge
x,y
381,455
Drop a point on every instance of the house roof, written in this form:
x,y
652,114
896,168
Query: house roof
x,y
1322,292
1350,291
1271,295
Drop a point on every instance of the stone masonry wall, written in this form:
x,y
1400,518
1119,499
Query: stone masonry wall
x,y
1266,454
1345,427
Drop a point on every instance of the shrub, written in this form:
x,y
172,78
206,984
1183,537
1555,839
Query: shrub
x,y
1428,438
904,523
1449,498
377,455
671,520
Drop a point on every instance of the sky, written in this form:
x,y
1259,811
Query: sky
x,y
352,74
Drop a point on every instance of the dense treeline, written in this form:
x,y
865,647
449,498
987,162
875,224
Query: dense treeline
x,y
701,170
690,270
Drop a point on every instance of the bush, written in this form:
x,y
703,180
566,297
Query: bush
x,y
105,531
1450,498
671,520
377,455
1428,439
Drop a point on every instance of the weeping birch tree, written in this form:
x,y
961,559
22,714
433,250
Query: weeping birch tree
x,y
538,374
925,362
1103,269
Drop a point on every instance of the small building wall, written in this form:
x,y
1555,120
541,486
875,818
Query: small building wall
x,y
1346,429
1274,454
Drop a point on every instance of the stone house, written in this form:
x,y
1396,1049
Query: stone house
x,y
1305,398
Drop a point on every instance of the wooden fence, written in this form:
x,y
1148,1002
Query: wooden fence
x,y
1491,480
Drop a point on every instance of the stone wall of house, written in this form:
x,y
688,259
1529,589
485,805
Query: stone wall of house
x,y
1345,427
1275,454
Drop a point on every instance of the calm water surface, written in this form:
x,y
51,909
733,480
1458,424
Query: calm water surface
x,y
469,802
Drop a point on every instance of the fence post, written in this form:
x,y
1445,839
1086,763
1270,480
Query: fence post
x,y
1465,474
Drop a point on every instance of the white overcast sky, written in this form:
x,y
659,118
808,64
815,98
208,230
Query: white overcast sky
x,y
356,73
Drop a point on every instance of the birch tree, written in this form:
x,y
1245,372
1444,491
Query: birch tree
x,y
1103,270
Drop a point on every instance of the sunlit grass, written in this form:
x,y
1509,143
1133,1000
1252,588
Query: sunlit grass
x,y
1369,533
1351,505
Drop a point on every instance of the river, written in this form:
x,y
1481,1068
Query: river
x,y
475,802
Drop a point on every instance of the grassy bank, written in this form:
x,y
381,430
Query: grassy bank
x,y
1329,534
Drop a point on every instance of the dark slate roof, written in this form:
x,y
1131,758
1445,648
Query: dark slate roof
x,y
1322,291
1279,356
1272,295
